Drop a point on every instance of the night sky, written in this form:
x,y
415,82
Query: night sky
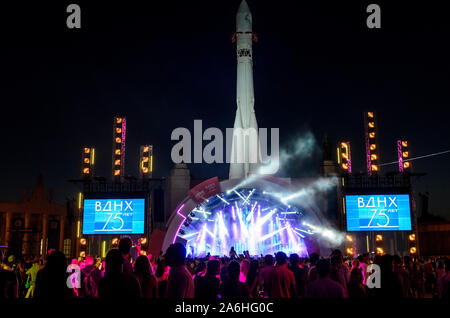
x,y
317,67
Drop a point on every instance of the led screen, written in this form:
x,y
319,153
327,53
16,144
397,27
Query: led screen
x,y
114,216
380,212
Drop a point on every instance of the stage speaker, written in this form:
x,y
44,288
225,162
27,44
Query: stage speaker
x,y
158,205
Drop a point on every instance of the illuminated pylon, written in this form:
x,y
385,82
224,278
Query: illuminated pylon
x,y
344,156
372,157
351,246
115,242
87,162
412,244
146,161
118,151
379,250
83,245
404,165
379,244
349,238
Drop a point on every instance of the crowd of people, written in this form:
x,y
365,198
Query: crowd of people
x,y
173,275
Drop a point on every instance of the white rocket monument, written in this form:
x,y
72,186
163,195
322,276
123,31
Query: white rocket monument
x,y
245,146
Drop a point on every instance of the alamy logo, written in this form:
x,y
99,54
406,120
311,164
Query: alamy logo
x,y
374,278
374,19
73,21
242,145
73,281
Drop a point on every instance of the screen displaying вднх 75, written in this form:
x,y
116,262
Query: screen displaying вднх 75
x,y
114,216
380,212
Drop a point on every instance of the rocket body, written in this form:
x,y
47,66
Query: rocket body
x,y
245,146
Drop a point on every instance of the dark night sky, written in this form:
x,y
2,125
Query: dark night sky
x,y
316,68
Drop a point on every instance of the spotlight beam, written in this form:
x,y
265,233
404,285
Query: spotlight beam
x,y
222,227
188,235
202,242
210,233
244,230
291,237
214,237
300,193
267,236
307,232
301,235
266,217
200,233
240,195
202,211
235,229
329,234
223,232
250,215
225,201
233,214
318,185
249,195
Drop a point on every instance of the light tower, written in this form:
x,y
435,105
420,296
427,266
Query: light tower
x,y
245,147
87,162
118,151
403,155
344,157
372,157
146,161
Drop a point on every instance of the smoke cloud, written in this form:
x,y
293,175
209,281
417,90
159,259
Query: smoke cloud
x,y
295,156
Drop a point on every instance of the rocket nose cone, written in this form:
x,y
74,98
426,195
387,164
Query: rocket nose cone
x,y
243,18
243,7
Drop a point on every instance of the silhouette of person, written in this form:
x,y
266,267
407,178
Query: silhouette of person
x,y
146,278
323,286
232,287
125,245
180,283
208,285
282,280
117,284
51,281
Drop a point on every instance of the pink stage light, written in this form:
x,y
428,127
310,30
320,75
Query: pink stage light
x,y
181,223
400,157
